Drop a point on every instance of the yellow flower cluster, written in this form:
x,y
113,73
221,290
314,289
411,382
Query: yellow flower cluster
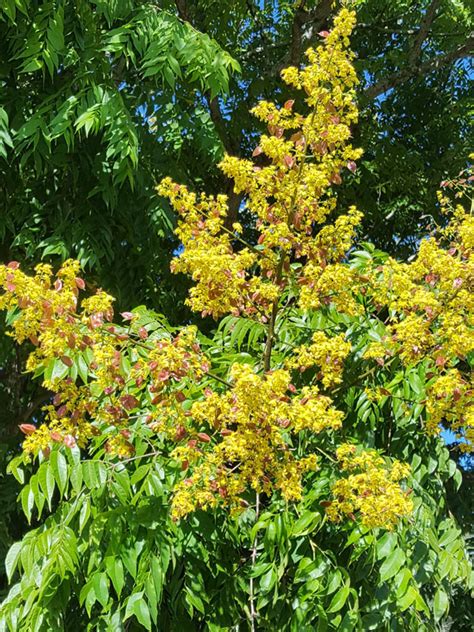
x,y
66,419
466,233
38,300
430,307
335,284
289,194
120,446
251,424
303,167
377,350
450,402
222,283
49,316
334,240
431,300
371,489
326,353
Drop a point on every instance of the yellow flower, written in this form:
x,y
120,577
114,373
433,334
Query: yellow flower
x,y
370,489
326,353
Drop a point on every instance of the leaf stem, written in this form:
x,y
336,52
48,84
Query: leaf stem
x,y
253,611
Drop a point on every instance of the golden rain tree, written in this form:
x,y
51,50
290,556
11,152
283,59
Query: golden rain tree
x,y
285,473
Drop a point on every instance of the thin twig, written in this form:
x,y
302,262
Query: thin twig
x,y
253,612
134,458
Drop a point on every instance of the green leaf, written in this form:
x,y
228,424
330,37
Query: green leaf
x,y
138,607
260,568
46,481
11,559
157,574
95,474
60,370
121,485
349,621
334,582
386,544
14,468
440,604
322,620
195,600
114,569
392,564
60,469
268,580
401,581
306,523
339,598
408,598
82,368
101,588
76,477
27,501
84,514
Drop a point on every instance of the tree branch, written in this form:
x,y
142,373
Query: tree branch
x,y
410,72
305,25
34,406
231,144
254,13
299,19
215,111
317,20
182,8
414,57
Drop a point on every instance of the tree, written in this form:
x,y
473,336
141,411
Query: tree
x,y
287,472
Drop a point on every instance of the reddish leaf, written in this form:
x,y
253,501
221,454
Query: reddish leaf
x,y
67,360
80,283
180,433
27,428
351,165
205,438
69,441
129,402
